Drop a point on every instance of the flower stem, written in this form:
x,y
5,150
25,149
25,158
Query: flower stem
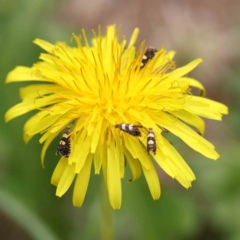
x,y
107,230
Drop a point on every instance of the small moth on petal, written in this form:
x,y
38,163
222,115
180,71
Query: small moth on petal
x,y
130,129
151,141
64,147
148,55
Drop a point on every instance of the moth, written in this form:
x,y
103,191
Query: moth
x,y
151,141
148,55
64,147
130,129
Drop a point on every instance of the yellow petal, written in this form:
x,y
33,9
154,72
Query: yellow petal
x,y
44,45
66,180
205,107
81,157
163,161
196,84
137,151
179,72
134,166
113,178
191,119
37,124
119,151
153,182
58,171
29,105
20,74
188,135
39,90
81,184
50,138
97,132
182,171
99,157
134,37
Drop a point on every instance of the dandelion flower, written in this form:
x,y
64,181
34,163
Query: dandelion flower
x,y
115,102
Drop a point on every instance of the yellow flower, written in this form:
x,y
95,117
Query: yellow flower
x,y
97,88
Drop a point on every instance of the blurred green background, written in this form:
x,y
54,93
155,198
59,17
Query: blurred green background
x,y
29,208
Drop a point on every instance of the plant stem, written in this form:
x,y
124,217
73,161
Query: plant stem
x,y
107,230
